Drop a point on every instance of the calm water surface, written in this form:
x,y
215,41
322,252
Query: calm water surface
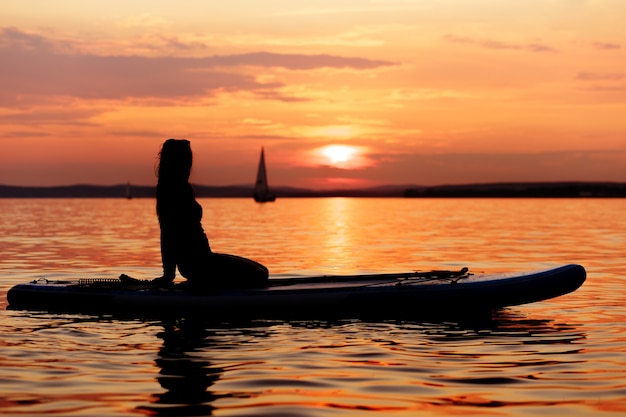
x,y
562,357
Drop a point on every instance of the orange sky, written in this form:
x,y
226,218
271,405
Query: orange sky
x,y
417,91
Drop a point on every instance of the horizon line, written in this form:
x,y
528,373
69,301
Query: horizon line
x,y
398,185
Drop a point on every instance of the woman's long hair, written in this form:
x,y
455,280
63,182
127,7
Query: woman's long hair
x,y
174,168
175,160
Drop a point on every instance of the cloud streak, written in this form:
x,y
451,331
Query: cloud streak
x,y
499,45
603,82
607,46
597,76
35,65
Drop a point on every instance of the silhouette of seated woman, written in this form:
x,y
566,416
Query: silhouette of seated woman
x,y
184,245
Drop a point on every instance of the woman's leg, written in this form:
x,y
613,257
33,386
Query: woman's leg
x,y
236,272
220,271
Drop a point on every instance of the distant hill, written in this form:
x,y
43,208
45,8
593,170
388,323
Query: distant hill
x,y
527,190
114,191
534,190
73,191
243,191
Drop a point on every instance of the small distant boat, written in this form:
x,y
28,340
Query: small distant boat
x,y
262,192
129,193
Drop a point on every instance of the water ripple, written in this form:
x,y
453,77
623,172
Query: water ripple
x,y
565,356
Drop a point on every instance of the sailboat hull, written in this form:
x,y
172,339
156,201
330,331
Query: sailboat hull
x,y
264,198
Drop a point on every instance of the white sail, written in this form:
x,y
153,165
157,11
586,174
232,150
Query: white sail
x,y
262,192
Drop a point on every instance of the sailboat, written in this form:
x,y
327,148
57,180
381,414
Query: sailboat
x,y
262,192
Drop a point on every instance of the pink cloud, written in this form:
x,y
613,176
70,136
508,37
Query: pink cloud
x,y
601,76
494,44
607,46
35,65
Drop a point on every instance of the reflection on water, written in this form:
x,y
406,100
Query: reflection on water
x,y
303,368
186,379
565,356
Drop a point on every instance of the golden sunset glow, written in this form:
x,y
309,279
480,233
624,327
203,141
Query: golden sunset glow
x,y
338,154
426,92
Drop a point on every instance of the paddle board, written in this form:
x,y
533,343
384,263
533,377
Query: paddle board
x,y
373,295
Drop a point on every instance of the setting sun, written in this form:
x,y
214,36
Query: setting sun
x,y
338,154
343,156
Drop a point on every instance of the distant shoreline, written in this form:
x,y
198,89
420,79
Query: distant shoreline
x,y
490,190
